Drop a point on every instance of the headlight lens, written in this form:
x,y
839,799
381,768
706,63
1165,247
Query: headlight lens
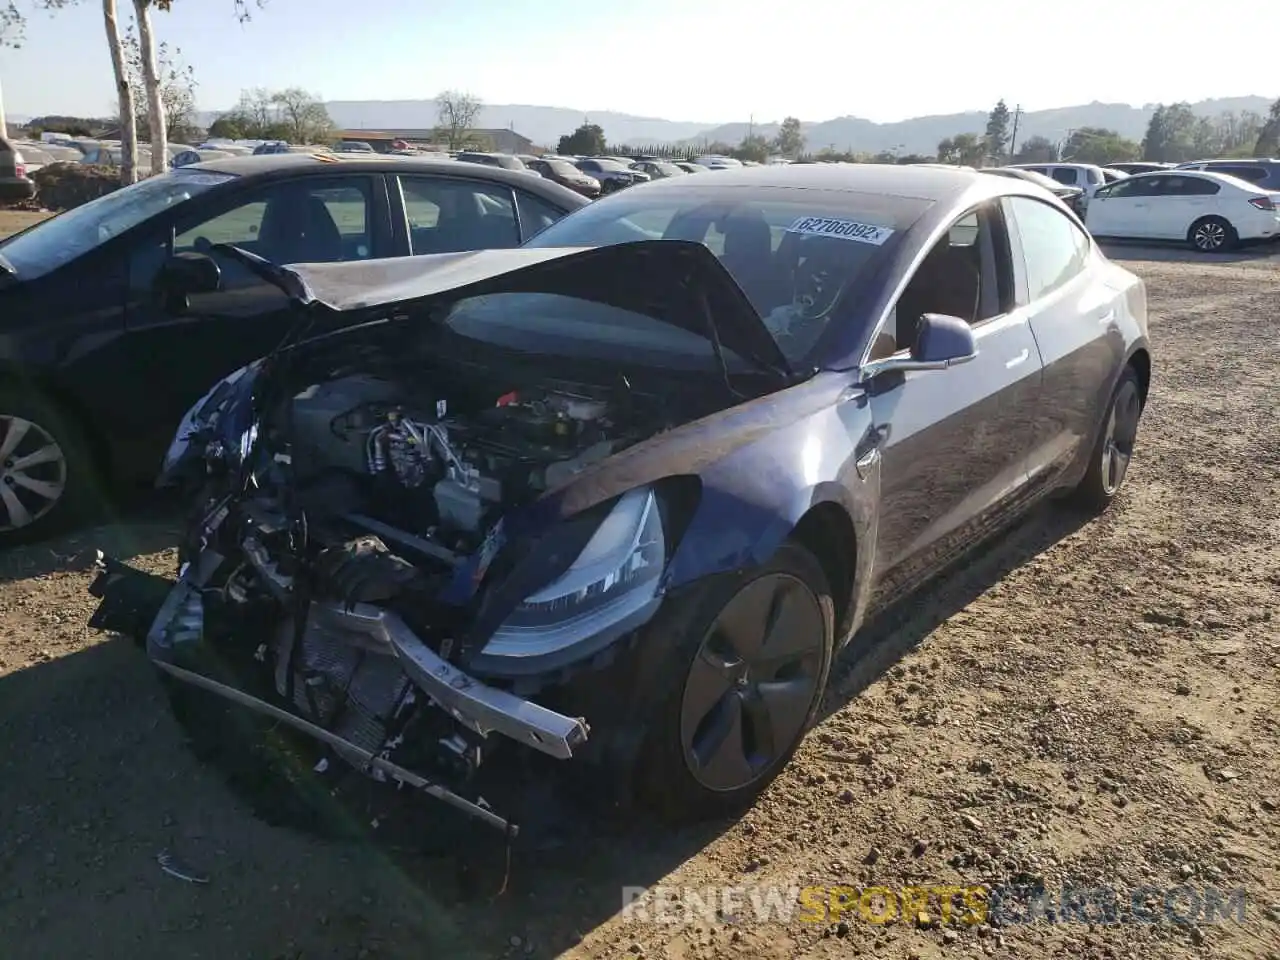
x,y
200,416
611,587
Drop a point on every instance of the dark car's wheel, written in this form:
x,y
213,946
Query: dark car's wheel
x,y
1212,235
1109,463
45,470
741,688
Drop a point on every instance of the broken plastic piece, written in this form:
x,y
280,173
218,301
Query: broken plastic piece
x,y
171,865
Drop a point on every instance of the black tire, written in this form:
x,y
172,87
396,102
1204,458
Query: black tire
x,y
41,426
1109,459
1212,235
664,777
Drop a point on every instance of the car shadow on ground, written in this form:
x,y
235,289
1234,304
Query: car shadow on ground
x,y
99,778
132,529
1174,253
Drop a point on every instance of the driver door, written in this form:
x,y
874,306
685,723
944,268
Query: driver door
x,y
953,443
180,356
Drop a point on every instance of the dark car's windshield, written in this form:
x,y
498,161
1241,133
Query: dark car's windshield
x,y
57,241
797,254
563,168
609,164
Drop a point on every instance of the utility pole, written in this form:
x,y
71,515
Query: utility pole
x,y
1013,140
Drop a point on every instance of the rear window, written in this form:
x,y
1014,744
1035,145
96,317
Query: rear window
x,y
795,253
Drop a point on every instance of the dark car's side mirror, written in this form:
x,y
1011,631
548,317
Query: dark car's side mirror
x,y
184,275
941,341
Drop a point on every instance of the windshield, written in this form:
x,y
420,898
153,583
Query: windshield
x,y
59,240
563,168
610,165
797,254
511,163
667,169
555,325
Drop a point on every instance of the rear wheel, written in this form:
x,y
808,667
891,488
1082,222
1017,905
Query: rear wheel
x,y
46,473
1212,235
741,689
1109,464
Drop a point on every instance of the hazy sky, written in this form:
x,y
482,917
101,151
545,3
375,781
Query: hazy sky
x,y
695,60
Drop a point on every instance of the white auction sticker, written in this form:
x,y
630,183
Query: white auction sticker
x,y
841,229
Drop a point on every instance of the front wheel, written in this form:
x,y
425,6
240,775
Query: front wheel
x,y
1109,463
1212,235
45,469
741,689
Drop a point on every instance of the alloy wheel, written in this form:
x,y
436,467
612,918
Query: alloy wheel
x,y
33,472
1121,435
1210,235
751,686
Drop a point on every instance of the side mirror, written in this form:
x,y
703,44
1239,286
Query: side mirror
x,y
185,274
941,341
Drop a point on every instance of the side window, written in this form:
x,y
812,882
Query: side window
x,y
449,216
1249,174
1065,175
1194,187
535,214
303,221
589,166
967,274
1054,249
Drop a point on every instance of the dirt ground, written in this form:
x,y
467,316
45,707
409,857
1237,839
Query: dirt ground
x,y
1083,704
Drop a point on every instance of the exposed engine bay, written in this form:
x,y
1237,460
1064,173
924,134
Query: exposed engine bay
x,y
339,561
443,474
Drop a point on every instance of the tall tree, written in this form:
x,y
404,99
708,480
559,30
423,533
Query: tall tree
x,y
997,135
1268,143
156,120
1170,134
790,139
1036,150
587,140
304,114
177,87
964,149
1099,145
124,96
457,112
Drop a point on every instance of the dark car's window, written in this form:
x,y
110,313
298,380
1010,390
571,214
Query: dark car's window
x,y
1054,249
590,166
61,239
1192,187
561,167
1065,175
448,216
536,214
304,221
796,254
1252,173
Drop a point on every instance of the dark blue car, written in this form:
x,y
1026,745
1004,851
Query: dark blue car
x,y
622,494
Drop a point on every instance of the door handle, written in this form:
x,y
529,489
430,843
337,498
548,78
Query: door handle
x,y
1020,358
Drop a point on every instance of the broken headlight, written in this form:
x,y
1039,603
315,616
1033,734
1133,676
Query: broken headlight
x,y
206,418
611,588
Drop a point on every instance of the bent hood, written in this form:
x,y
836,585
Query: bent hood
x,y
673,281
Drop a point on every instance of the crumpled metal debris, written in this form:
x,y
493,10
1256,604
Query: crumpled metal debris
x,y
176,867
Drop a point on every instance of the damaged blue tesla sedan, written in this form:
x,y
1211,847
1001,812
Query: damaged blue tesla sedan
x,y
622,494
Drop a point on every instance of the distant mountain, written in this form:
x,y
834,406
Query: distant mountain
x,y
921,134
542,125
545,125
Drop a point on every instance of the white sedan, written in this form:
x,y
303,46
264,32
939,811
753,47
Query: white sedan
x,y
1210,211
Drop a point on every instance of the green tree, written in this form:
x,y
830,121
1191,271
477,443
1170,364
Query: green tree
x,y
997,135
228,127
753,147
1268,142
964,149
303,114
790,139
1036,150
1099,145
1170,134
587,140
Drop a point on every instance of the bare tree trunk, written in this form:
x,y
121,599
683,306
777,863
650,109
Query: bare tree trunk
x,y
128,117
151,80
4,124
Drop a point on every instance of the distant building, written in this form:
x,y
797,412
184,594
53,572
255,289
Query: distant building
x,y
501,141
